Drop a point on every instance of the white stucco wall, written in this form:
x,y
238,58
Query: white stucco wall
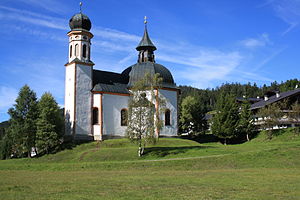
x,y
83,124
171,104
97,127
112,106
69,98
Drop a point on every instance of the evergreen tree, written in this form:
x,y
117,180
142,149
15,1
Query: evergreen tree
x,y
143,117
49,125
226,120
22,129
6,147
246,126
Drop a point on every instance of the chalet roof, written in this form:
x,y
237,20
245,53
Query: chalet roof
x,y
274,99
104,81
250,99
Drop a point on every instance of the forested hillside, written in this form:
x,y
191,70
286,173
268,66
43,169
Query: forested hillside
x,y
209,96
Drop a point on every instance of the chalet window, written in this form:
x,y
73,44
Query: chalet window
x,y
71,51
76,50
84,51
95,116
124,117
167,117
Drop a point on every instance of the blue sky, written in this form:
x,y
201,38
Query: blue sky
x,y
204,43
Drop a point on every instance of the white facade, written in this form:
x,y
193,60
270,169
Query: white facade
x,y
111,105
171,98
94,99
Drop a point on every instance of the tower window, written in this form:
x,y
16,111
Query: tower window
x,y
84,51
71,51
95,116
167,117
76,50
124,117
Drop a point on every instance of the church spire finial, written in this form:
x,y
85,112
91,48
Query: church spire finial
x,y
145,20
80,4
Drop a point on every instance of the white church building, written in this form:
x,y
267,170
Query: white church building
x,y
96,101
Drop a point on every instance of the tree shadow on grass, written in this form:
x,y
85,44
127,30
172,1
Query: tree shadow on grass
x,y
165,151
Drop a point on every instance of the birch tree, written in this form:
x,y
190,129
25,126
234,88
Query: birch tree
x,y
144,109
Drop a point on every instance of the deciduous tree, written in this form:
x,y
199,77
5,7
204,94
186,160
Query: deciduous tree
x,y
143,116
192,116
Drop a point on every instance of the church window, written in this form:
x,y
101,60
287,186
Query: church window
x,y
124,117
89,52
70,51
95,116
76,50
167,117
84,51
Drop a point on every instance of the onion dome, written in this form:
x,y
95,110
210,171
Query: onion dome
x,y
138,71
80,22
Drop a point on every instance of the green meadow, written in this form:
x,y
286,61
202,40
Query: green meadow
x,y
171,169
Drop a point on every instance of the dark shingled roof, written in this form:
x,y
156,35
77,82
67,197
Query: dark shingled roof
x,y
274,99
138,71
109,82
80,21
146,42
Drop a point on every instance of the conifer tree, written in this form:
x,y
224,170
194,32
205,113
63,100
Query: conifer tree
x,y
226,120
143,117
49,125
246,126
22,129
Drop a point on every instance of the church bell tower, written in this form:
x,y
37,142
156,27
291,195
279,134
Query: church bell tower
x,y
78,82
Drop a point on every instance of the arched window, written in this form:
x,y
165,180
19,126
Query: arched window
x,y
143,55
95,116
89,52
167,117
71,51
76,50
84,51
124,117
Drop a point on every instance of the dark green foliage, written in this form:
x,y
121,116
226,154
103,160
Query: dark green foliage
x,y
192,116
5,147
31,125
49,125
3,125
209,96
246,127
226,120
22,129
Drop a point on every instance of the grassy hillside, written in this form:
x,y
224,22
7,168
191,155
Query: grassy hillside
x,y
172,169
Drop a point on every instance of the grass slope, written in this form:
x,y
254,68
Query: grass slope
x,y
172,169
